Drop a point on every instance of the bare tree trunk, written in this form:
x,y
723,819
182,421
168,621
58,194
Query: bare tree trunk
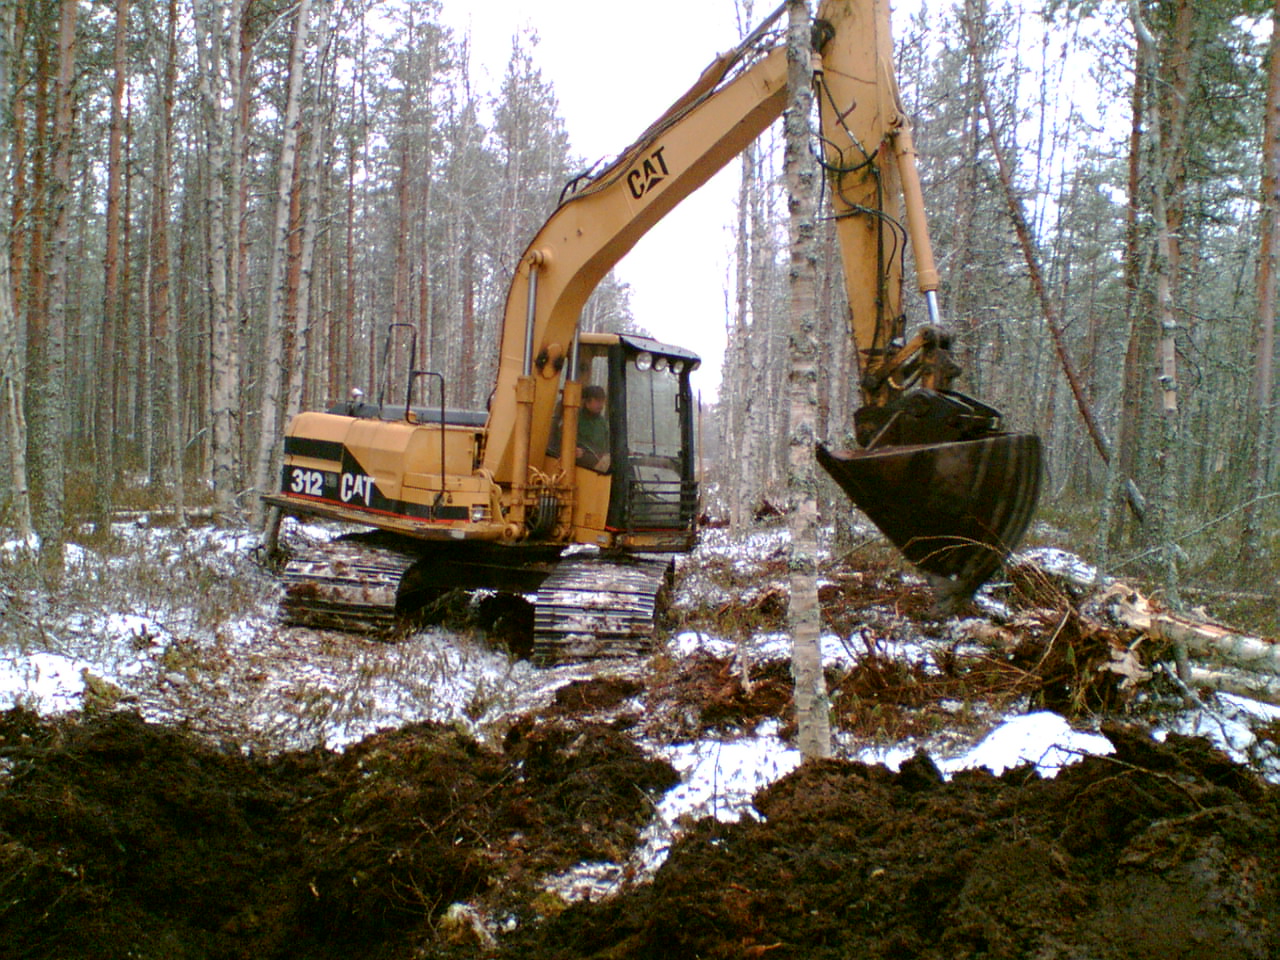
x,y
736,386
104,419
15,106
1253,556
759,442
11,363
166,326
273,349
224,389
1124,468
302,338
47,434
1163,155
804,616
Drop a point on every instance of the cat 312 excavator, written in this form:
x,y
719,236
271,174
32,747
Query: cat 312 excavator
x,y
511,500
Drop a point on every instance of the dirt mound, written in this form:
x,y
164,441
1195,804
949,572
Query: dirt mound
x,y
122,838
1159,851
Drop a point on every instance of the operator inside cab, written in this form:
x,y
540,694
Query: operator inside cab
x,y
593,431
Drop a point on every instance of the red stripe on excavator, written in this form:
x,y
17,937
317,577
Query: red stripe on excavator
x,y
381,513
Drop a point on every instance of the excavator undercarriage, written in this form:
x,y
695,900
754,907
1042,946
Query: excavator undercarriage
x,y
585,606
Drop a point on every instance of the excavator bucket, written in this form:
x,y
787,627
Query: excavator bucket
x,y
954,509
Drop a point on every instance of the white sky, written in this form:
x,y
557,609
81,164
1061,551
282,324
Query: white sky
x,y
615,67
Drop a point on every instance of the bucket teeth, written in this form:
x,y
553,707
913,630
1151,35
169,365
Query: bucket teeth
x,y
955,510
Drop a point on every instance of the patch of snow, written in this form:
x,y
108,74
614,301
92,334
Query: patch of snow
x,y
718,778
1061,563
48,683
766,647
689,642
1266,712
74,555
30,545
769,646
995,609
1044,739
1226,720
892,756
757,546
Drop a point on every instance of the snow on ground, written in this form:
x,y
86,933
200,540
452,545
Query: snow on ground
x,y
1060,563
47,683
254,683
1225,720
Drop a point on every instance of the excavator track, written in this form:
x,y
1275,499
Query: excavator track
x,y
343,585
591,608
584,607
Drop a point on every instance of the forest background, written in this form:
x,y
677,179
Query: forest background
x,y
213,208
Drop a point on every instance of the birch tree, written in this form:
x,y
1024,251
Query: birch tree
x,y
804,617
1165,137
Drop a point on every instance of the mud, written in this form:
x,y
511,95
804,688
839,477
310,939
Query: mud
x,y
1160,851
119,838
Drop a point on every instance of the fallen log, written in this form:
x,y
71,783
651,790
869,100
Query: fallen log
x,y
1255,688
1203,637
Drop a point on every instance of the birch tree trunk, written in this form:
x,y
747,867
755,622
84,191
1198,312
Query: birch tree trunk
x,y
759,439
1163,155
804,616
736,389
273,347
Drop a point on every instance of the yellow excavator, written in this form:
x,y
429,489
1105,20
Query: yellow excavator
x,y
579,481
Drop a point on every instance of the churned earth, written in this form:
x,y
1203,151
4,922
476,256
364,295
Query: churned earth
x,y
542,823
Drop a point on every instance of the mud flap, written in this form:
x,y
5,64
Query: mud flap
x,y
955,510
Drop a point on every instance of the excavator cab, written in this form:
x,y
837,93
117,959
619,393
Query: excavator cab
x,y
641,457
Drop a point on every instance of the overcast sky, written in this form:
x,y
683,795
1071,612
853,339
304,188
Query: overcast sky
x,y
616,67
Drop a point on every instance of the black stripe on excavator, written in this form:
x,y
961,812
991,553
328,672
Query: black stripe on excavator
x,y
354,488
316,449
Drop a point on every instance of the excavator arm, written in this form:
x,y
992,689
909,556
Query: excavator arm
x,y
735,100
933,469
